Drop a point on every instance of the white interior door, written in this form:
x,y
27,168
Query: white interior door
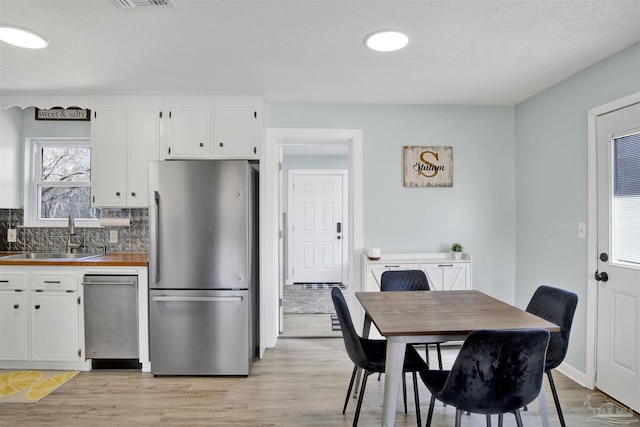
x,y
316,226
618,275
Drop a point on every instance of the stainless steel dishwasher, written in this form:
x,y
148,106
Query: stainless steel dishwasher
x,y
111,316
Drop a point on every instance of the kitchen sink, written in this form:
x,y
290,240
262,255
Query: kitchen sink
x,y
51,255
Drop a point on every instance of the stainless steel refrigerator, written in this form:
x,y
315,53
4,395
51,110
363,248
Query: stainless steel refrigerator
x,y
203,310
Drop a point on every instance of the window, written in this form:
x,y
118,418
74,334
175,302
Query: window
x,y
61,183
626,199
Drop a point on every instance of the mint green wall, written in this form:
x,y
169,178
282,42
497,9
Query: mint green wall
x,y
479,211
551,177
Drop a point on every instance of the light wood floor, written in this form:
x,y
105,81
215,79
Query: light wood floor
x,y
301,382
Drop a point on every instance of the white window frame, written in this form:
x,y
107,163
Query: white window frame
x,y
33,167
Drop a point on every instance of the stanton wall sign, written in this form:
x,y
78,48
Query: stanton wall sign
x,y
59,113
428,166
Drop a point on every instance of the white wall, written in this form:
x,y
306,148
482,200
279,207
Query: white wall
x,y
478,211
551,176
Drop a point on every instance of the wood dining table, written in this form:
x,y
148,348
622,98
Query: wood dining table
x,y
437,316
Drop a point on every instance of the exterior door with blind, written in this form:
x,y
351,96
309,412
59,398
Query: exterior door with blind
x,y
316,227
618,275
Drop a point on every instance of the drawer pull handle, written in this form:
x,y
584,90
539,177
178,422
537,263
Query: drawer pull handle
x,y
52,281
37,306
4,281
16,306
392,266
445,265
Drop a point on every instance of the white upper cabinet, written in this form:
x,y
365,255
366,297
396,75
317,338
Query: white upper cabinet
x,y
237,133
10,158
125,136
213,126
188,133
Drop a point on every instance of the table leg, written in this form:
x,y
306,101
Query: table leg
x,y
392,378
542,401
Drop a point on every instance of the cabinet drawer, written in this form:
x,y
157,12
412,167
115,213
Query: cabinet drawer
x,y
54,281
13,281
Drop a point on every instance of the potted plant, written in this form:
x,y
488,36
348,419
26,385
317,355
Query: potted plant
x,y
456,250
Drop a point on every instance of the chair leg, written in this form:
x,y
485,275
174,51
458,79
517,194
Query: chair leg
x,y
439,356
488,420
555,398
416,397
430,413
404,391
518,418
458,417
362,387
346,400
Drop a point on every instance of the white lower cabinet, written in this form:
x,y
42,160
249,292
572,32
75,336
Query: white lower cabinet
x,y
41,318
54,326
13,325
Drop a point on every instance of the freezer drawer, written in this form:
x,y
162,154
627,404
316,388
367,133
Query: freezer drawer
x,y
198,332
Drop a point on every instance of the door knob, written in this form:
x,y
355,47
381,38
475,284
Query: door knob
x,y
602,277
604,257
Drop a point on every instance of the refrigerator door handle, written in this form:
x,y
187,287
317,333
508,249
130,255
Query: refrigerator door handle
x,y
154,259
195,299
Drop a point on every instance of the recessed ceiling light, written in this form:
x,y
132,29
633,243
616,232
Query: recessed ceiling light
x,y
22,38
386,40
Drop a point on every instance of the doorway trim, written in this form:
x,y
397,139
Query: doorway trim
x,y
269,216
592,230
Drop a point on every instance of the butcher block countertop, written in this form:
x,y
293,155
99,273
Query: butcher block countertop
x,y
120,259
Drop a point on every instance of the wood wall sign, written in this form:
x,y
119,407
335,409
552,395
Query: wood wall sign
x,y
59,113
428,166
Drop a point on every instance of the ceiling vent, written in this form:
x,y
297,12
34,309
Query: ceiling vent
x,y
131,4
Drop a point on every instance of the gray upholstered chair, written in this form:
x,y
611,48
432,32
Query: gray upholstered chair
x,y
496,372
557,306
408,280
370,356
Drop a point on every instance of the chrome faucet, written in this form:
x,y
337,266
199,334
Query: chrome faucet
x,y
72,232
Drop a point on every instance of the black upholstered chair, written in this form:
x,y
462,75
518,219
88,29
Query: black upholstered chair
x,y
495,372
370,356
408,280
557,306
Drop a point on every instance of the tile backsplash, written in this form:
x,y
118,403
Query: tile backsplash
x,y
134,238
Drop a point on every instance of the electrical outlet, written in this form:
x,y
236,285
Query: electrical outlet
x,y
12,235
113,236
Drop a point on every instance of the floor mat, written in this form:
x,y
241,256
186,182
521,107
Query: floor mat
x,y
335,323
31,386
322,285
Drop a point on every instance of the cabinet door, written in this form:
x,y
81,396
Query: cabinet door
x,y
109,157
143,146
189,133
374,273
13,326
447,277
236,133
10,179
54,326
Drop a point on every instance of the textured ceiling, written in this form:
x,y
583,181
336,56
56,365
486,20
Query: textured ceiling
x,y
460,52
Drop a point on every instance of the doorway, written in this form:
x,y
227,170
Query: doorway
x,y
272,231
614,249
313,197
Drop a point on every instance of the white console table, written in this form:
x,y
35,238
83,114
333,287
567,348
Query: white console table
x,y
443,271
